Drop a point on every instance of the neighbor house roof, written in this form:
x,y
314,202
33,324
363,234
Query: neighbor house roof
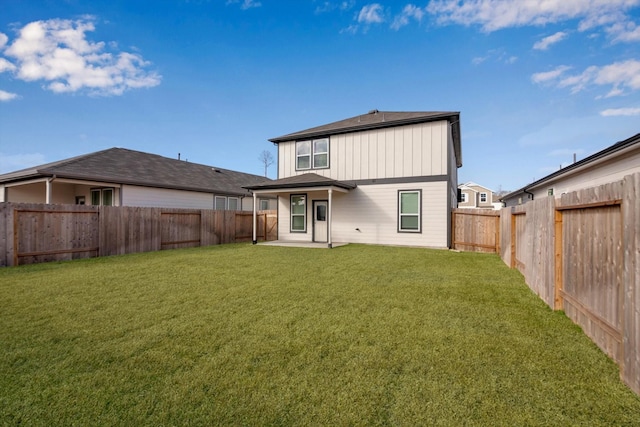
x,y
123,166
375,119
603,154
306,180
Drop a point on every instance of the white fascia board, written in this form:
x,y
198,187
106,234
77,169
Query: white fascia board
x,y
301,190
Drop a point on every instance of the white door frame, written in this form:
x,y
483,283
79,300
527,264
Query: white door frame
x,y
316,231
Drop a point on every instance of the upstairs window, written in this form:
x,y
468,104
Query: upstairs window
x,y
320,153
463,198
303,155
483,197
312,154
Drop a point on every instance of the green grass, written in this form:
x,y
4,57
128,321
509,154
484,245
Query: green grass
x,y
255,335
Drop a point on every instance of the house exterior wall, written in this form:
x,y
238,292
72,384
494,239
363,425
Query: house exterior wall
x,y
133,195
471,199
608,171
373,209
402,151
599,172
29,193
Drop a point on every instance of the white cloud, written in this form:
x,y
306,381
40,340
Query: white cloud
x,y
494,15
328,6
549,40
371,14
3,40
58,52
620,112
7,96
547,76
622,76
6,65
246,4
14,162
409,12
495,55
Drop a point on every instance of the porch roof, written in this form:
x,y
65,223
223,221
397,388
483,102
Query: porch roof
x,y
306,180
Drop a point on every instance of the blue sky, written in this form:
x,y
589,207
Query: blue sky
x,y
535,81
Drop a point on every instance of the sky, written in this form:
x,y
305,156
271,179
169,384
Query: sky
x,y
535,81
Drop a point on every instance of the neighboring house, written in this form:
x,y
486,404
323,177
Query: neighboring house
x,y
382,178
472,195
121,177
609,165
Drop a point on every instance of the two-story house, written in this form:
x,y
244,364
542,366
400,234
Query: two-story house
x,y
472,195
380,178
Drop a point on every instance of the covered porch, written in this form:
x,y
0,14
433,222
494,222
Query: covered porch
x,y
305,209
290,244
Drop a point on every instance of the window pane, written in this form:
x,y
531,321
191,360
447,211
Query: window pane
x,y
320,146
220,203
297,205
321,213
303,147
233,204
297,222
409,203
107,197
303,162
264,205
95,197
409,222
320,161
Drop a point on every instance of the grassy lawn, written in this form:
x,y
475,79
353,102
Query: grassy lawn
x,y
254,335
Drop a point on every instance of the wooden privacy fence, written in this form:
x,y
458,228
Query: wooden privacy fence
x,y
581,254
33,233
476,230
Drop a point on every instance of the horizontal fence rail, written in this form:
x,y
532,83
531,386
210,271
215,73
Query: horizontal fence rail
x,y
34,233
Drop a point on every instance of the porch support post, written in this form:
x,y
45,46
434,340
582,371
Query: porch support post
x,y
255,217
329,241
48,190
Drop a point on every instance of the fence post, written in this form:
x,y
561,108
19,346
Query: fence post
x,y
558,284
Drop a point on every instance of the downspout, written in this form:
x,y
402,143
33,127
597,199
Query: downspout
x,y
255,217
526,192
329,207
49,190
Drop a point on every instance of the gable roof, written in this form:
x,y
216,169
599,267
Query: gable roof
x,y
607,152
305,180
469,185
123,166
375,119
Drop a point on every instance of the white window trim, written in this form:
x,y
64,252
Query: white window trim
x,y
101,192
229,199
486,197
400,214
215,203
298,156
463,197
312,154
291,214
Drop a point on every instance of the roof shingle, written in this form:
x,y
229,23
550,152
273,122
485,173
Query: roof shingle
x,y
123,166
